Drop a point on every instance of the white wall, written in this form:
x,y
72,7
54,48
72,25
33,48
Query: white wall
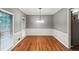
x,y
38,32
61,36
61,21
17,35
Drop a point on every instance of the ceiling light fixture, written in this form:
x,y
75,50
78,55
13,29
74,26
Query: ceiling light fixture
x,y
40,20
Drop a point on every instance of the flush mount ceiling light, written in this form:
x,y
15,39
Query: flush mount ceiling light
x,y
40,20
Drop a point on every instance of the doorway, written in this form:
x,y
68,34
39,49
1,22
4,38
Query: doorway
x,y
75,29
6,30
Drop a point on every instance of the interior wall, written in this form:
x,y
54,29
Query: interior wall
x,y
60,20
31,21
34,28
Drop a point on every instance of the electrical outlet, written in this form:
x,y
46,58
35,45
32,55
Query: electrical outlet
x,y
18,38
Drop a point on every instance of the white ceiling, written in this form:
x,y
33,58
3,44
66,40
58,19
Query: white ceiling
x,y
44,11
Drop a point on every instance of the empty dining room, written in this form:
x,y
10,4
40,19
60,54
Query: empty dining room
x,y
35,29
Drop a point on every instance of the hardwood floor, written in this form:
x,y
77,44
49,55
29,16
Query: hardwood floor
x,y
40,43
75,48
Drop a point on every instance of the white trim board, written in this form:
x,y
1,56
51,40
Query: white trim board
x,y
6,11
38,32
69,26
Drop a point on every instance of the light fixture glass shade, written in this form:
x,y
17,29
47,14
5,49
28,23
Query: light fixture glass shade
x,y
40,21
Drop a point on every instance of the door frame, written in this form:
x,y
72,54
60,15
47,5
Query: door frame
x,y
12,23
69,27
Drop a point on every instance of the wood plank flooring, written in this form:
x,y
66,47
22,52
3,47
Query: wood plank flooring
x,y
75,48
40,43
